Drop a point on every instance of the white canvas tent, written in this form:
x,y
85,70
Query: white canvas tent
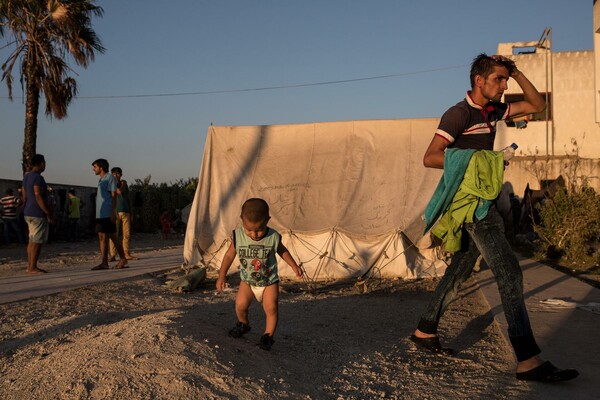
x,y
346,196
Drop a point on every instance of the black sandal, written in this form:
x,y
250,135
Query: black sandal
x,y
432,344
546,372
266,342
239,330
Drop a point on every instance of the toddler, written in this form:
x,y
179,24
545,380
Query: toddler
x,y
256,246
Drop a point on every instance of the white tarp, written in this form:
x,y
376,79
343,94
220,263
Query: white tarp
x,y
346,196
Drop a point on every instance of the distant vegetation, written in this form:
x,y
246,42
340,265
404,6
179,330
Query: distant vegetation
x,y
150,199
568,221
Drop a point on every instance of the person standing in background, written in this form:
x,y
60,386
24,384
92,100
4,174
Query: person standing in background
x,y
106,215
73,214
37,212
10,205
124,215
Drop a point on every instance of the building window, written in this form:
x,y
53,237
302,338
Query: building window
x,y
541,116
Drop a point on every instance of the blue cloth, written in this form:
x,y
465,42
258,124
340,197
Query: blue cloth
x,y
481,184
456,162
106,185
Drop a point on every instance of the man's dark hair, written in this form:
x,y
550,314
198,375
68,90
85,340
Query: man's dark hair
x,y
37,160
255,210
484,65
102,163
9,191
117,170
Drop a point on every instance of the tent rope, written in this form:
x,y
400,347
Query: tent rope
x,y
375,271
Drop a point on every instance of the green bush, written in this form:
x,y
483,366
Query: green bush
x,y
570,224
149,199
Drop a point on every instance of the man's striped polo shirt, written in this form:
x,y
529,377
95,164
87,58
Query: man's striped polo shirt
x,y
467,125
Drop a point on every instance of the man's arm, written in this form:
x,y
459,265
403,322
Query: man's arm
x,y
435,153
113,213
532,102
37,192
125,188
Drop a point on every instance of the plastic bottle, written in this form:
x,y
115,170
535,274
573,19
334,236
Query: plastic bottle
x,y
509,151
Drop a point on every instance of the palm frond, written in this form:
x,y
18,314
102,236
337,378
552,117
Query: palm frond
x,y
46,34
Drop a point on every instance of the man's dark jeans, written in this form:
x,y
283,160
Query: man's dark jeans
x,y
15,225
487,236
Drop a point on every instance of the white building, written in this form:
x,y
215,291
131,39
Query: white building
x,y
570,81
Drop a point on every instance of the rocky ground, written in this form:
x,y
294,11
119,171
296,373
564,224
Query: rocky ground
x,y
135,339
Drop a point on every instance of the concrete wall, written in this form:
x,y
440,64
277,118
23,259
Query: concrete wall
x,y
569,76
524,171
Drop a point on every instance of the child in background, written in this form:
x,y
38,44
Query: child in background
x,y
166,225
256,246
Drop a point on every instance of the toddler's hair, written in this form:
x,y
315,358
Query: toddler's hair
x,y
255,210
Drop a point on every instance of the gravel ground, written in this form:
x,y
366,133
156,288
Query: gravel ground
x,y
135,339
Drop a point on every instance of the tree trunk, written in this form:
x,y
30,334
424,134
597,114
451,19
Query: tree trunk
x,y
32,105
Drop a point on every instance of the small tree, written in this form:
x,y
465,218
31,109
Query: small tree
x,y
570,219
44,33
570,223
150,198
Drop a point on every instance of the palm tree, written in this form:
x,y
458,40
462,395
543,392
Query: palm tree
x,y
44,33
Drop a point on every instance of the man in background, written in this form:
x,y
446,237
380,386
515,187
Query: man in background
x,y
37,212
106,214
73,214
10,204
124,215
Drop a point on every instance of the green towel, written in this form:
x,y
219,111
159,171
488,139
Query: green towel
x,y
482,183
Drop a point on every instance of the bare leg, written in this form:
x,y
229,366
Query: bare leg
x,y
423,335
119,247
33,254
271,308
103,240
529,364
242,302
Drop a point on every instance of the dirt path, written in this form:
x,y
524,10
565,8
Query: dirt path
x,y
134,339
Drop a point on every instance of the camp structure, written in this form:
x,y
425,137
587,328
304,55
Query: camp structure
x,y
347,197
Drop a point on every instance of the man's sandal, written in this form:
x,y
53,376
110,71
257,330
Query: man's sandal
x,y
546,372
432,344
122,264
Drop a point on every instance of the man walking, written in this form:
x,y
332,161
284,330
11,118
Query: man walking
x,y
37,212
124,215
471,124
106,216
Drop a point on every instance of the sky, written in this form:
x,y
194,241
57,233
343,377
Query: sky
x,y
171,69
